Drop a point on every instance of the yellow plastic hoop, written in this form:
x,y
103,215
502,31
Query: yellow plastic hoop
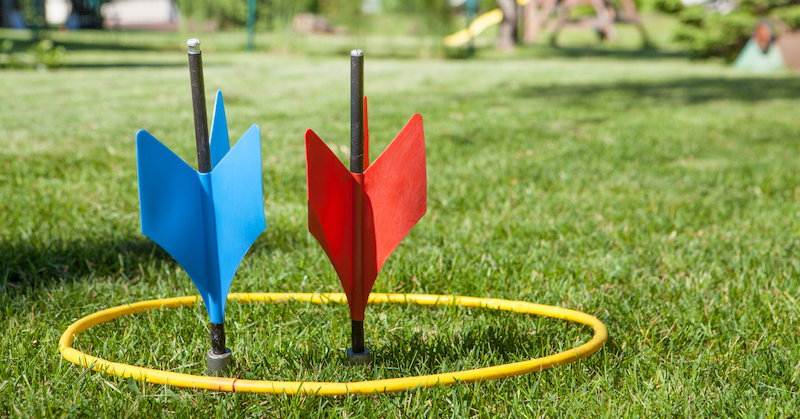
x,y
333,389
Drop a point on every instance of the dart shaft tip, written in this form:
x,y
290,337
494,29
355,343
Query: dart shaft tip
x,y
193,44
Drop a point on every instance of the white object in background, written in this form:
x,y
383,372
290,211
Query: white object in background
x,y
720,6
371,7
140,13
56,12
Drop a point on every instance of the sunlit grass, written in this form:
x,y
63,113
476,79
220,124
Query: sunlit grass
x,y
658,194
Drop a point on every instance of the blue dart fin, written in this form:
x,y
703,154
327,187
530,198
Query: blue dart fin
x,y
206,221
219,143
169,203
238,205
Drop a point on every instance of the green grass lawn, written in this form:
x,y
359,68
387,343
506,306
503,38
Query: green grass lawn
x,y
658,194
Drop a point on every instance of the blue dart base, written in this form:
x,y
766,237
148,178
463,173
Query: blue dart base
x,y
218,365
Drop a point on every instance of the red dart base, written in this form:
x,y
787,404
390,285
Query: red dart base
x,y
364,358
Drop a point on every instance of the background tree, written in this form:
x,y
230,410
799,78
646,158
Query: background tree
x,y
721,28
508,27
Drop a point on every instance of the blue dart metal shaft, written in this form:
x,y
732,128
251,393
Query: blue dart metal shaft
x,y
217,330
199,106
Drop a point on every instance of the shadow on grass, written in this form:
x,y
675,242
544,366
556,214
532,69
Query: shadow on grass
x,y
685,91
644,53
453,350
24,265
509,343
110,46
20,45
576,52
124,65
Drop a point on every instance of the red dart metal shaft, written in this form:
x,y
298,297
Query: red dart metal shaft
x,y
357,166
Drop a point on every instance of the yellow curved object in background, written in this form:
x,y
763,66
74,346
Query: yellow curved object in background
x,y
477,26
330,389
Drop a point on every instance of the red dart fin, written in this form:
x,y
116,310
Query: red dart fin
x,y
330,206
391,196
397,188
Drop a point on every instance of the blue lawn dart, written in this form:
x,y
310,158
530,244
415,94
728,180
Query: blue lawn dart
x,y
207,219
